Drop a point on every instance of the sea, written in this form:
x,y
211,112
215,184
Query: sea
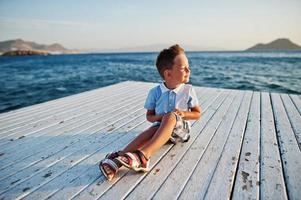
x,y
28,80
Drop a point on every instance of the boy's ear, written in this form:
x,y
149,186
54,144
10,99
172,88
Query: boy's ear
x,y
166,73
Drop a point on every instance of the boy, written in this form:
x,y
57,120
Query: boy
x,y
168,106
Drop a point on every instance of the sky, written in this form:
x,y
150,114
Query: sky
x,y
107,24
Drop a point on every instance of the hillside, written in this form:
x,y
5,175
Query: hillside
x,y
276,45
19,44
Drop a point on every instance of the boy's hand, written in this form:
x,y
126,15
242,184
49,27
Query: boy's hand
x,y
193,114
152,117
179,112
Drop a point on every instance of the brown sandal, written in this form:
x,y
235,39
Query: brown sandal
x,y
136,161
111,165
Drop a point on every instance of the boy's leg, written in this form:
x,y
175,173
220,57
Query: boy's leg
x,y
141,139
137,143
161,136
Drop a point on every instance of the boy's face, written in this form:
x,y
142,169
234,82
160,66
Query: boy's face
x,y
180,71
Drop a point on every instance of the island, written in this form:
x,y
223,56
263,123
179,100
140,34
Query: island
x,y
21,47
25,53
282,44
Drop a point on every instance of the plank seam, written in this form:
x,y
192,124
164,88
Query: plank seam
x,y
242,139
290,120
279,146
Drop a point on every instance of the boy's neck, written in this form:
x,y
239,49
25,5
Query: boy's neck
x,y
171,86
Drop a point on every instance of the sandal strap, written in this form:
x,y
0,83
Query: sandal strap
x,y
113,155
142,158
133,160
137,158
111,164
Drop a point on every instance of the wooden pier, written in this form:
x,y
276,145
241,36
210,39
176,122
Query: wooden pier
x,y
245,146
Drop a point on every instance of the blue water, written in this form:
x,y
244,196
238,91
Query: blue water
x,y
29,80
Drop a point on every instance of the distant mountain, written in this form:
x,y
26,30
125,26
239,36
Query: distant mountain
x,y
19,44
282,44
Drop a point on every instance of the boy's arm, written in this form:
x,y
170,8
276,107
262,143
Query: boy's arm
x,y
152,117
193,114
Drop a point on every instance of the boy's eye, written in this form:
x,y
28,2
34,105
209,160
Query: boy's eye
x,y
185,68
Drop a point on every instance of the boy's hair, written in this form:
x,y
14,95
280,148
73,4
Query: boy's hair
x,y
166,57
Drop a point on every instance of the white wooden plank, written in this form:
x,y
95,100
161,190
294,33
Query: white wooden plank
x,y
199,180
294,117
271,176
65,130
75,97
290,152
223,177
78,115
246,184
90,163
297,101
58,112
84,150
50,155
59,145
127,183
48,118
188,162
20,111
84,114
36,109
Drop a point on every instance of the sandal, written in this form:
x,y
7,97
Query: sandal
x,y
136,161
111,165
113,155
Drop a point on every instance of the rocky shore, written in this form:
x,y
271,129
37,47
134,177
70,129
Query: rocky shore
x,y
25,53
